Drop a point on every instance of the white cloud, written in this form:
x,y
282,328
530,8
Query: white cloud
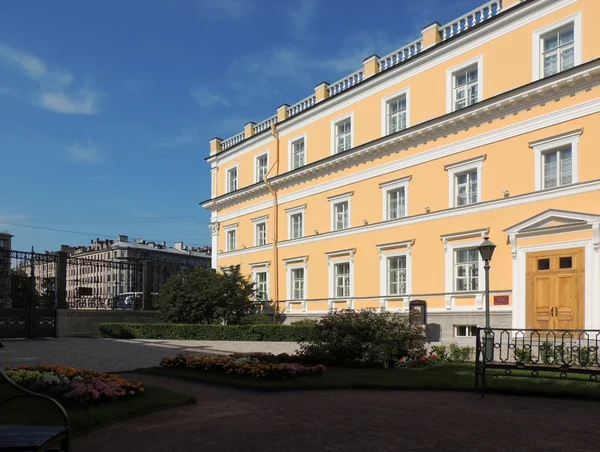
x,y
206,99
56,90
232,9
301,15
85,153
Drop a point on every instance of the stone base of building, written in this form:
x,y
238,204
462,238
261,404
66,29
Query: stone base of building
x,y
86,323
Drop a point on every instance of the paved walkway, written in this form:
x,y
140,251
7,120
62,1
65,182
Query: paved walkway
x,y
232,420
112,355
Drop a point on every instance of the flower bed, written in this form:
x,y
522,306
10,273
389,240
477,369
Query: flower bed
x,y
248,366
74,386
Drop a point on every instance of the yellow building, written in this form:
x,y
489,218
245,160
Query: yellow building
x,y
377,189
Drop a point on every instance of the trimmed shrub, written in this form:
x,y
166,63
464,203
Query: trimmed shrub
x,y
365,338
274,332
262,318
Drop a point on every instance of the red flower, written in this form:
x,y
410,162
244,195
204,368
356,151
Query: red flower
x,y
433,356
400,360
422,359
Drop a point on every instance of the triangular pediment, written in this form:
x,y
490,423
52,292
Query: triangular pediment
x,y
553,219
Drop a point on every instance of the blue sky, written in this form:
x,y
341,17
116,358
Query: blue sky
x,y
107,106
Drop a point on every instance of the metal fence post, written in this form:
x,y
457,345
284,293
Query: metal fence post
x,y
31,299
147,285
61,281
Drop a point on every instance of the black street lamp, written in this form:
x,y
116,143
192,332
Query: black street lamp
x,y
486,250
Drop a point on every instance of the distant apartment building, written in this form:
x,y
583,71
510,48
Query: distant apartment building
x,y
377,189
5,244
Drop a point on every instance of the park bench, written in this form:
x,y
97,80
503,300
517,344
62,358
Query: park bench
x,y
558,354
31,437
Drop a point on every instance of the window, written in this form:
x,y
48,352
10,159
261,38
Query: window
x,y
396,114
297,283
262,286
396,275
465,181
261,233
557,47
341,134
556,160
558,51
297,153
261,167
231,240
340,215
1,243
395,198
466,270
340,211
232,179
465,188
465,330
342,280
296,222
464,84
465,87
558,167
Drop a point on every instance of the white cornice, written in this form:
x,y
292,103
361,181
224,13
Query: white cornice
x,y
523,99
252,249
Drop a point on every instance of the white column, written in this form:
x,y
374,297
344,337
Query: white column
x,y
214,231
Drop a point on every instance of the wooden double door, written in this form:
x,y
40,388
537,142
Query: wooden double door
x,y
555,289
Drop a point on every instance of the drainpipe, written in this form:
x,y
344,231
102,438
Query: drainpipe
x,y
275,219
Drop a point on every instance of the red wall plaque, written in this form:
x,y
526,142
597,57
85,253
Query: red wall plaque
x,y
500,300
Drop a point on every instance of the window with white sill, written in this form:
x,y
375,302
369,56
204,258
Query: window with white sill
x,y
557,167
298,153
465,330
466,270
231,244
396,114
465,188
395,203
262,289
396,275
341,280
343,135
341,211
465,87
556,160
557,50
464,180
262,164
297,225
232,179
261,233
297,283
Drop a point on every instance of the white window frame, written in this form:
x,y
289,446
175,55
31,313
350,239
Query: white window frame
x,y
386,187
256,222
227,230
466,326
338,199
536,63
293,211
293,264
261,267
237,178
340,257
548,144
334,123
256,157
383,272
478,60
384,109
290,154
458,168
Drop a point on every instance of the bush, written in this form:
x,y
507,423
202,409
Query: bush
x,y
306,322
247,366
364,337
73,386
276,333
262,319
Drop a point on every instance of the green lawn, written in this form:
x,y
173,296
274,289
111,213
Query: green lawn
x,y
449,377
40,412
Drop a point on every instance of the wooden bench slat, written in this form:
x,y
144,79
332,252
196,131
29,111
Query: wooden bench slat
x,y
27,437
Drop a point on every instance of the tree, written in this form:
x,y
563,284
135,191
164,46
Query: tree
x,y
201,295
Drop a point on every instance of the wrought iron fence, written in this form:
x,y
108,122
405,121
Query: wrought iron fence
x,y
28,294
562,354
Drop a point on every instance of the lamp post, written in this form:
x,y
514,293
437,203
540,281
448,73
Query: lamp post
x,y
486,250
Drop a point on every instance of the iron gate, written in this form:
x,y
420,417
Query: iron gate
x,y
28,288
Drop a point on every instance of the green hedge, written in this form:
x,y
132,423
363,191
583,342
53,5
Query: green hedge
x,y
277,333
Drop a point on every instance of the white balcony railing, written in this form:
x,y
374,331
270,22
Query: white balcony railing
x,y
229,142
302,105
264,125
347,82
472,18
400,55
